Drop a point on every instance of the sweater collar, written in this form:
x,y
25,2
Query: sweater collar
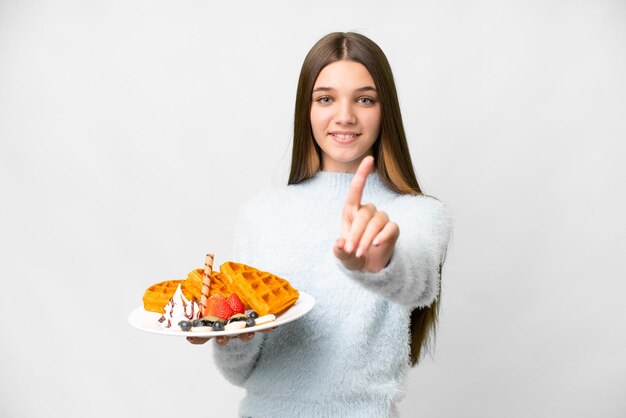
x,y
339,183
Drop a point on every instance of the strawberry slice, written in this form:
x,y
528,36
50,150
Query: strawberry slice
x,y
236,304
218,306
211,304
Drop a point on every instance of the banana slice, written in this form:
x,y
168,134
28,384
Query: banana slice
x,y
201,329
264,319
235,325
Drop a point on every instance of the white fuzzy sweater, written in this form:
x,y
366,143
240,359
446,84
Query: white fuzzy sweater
x,y
349,356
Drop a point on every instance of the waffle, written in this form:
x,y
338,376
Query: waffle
x,y
218,285
264,292
158,295
193,284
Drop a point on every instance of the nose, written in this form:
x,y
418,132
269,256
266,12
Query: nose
x,y
345,113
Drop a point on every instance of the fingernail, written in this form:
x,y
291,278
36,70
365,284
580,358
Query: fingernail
x,y
375,243
348,247
359,253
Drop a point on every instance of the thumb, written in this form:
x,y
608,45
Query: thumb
x,y
338,250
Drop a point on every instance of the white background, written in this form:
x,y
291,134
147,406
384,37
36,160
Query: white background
x,y
131,133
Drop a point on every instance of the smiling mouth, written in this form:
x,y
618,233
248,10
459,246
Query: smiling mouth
x,y
344,137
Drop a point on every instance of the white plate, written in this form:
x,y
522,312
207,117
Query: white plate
x,y
149,321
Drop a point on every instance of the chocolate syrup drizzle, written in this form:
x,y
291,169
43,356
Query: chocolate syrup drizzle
x,y
191,314
189,311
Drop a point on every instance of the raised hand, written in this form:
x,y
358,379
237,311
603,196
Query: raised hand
x,y
367,237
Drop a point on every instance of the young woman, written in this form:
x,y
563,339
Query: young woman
x,y
353,230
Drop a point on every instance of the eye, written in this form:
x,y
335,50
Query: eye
x,y
365,100
324,100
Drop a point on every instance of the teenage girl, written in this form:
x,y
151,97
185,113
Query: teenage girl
x,y
353,230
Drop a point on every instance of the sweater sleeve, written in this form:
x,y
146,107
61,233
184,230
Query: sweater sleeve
x,y
412,276
237,359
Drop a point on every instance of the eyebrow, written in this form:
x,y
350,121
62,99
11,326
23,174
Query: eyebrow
x,y
359,90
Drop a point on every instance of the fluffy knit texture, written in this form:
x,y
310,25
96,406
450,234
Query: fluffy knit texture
x,y
349,356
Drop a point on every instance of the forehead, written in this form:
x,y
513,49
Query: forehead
x,y
344,74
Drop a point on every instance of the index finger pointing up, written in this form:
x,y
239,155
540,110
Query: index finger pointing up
x,y
355,192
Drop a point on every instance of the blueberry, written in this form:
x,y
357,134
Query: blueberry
x,y
250,322
218,326
185,325
253,315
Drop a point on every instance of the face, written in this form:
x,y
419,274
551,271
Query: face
x,y
345,115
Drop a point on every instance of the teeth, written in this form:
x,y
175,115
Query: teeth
x,y
345,136
264,319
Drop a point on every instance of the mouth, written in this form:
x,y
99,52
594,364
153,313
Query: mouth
x,y
344,137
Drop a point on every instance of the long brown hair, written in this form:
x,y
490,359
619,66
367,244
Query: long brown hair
x,y
391,152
